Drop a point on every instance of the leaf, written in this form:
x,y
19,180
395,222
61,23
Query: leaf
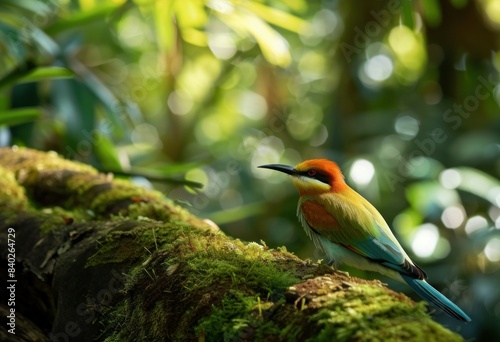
x,y
277,17
106,152
32,6
77,19
12,42
459,3
19,116
43,73
274,47
42,40
153,176
164,23
431,12
479,183
236,214
75,106
406,222
17,73
430,197
175,169
114,107
407,14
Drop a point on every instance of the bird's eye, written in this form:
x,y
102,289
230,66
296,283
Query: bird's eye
x,y
311,173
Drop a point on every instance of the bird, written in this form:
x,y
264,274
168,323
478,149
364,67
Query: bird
x,y
351,231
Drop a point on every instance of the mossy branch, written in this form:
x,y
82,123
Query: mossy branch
x,y
102,259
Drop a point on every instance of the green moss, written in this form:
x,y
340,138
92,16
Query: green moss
x,y
12,194
368,313
115,247
120,189
55,217
233,319
28,160
81,190
119,246
201,268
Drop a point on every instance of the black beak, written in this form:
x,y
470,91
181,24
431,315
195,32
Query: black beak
x,y
289,170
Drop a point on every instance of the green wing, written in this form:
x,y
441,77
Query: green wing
x,y
362,230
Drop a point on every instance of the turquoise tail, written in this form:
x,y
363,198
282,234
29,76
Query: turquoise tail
x,y
436,299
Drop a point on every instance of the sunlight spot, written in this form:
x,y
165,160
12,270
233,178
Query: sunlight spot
x,y
492,250
492,10
222,6
252,105
133,32
145,134
494,195
320,137
475,223
494,212
450,179
443,248
208,131
425,240
407,127
325,22
402,40
266,155
222,45
453,217
379,68
180,102
362,171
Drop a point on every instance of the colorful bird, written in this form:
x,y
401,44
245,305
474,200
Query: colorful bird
x,y
350,230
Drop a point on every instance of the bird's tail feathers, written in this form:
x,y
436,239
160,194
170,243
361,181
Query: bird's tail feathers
x,y
435,298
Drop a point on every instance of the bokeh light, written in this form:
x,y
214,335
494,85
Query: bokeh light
x,y
492,10
362,171
453,217
378,68
180,102
145,134
222,45
475,223
252,105
492,250
407,127
409,51
425,240
450,179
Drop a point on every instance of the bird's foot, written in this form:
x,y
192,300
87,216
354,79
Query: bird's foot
x,y
335,265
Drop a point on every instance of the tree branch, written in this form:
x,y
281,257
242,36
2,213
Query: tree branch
x,y
98,258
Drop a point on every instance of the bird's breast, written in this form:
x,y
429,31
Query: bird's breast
x,y
317,216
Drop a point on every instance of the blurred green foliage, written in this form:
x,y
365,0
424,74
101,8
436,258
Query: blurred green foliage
x,y
403,95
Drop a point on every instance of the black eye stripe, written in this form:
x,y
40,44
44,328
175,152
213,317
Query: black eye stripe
x,y
322,178
316,175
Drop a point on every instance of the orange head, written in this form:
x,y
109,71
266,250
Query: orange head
x,y
313,177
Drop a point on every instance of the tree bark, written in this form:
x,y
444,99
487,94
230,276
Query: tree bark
x,y
98,258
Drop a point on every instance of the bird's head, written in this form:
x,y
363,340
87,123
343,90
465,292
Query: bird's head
x,y
313,177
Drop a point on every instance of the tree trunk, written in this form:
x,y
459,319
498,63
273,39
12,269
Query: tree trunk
x,y
98,258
